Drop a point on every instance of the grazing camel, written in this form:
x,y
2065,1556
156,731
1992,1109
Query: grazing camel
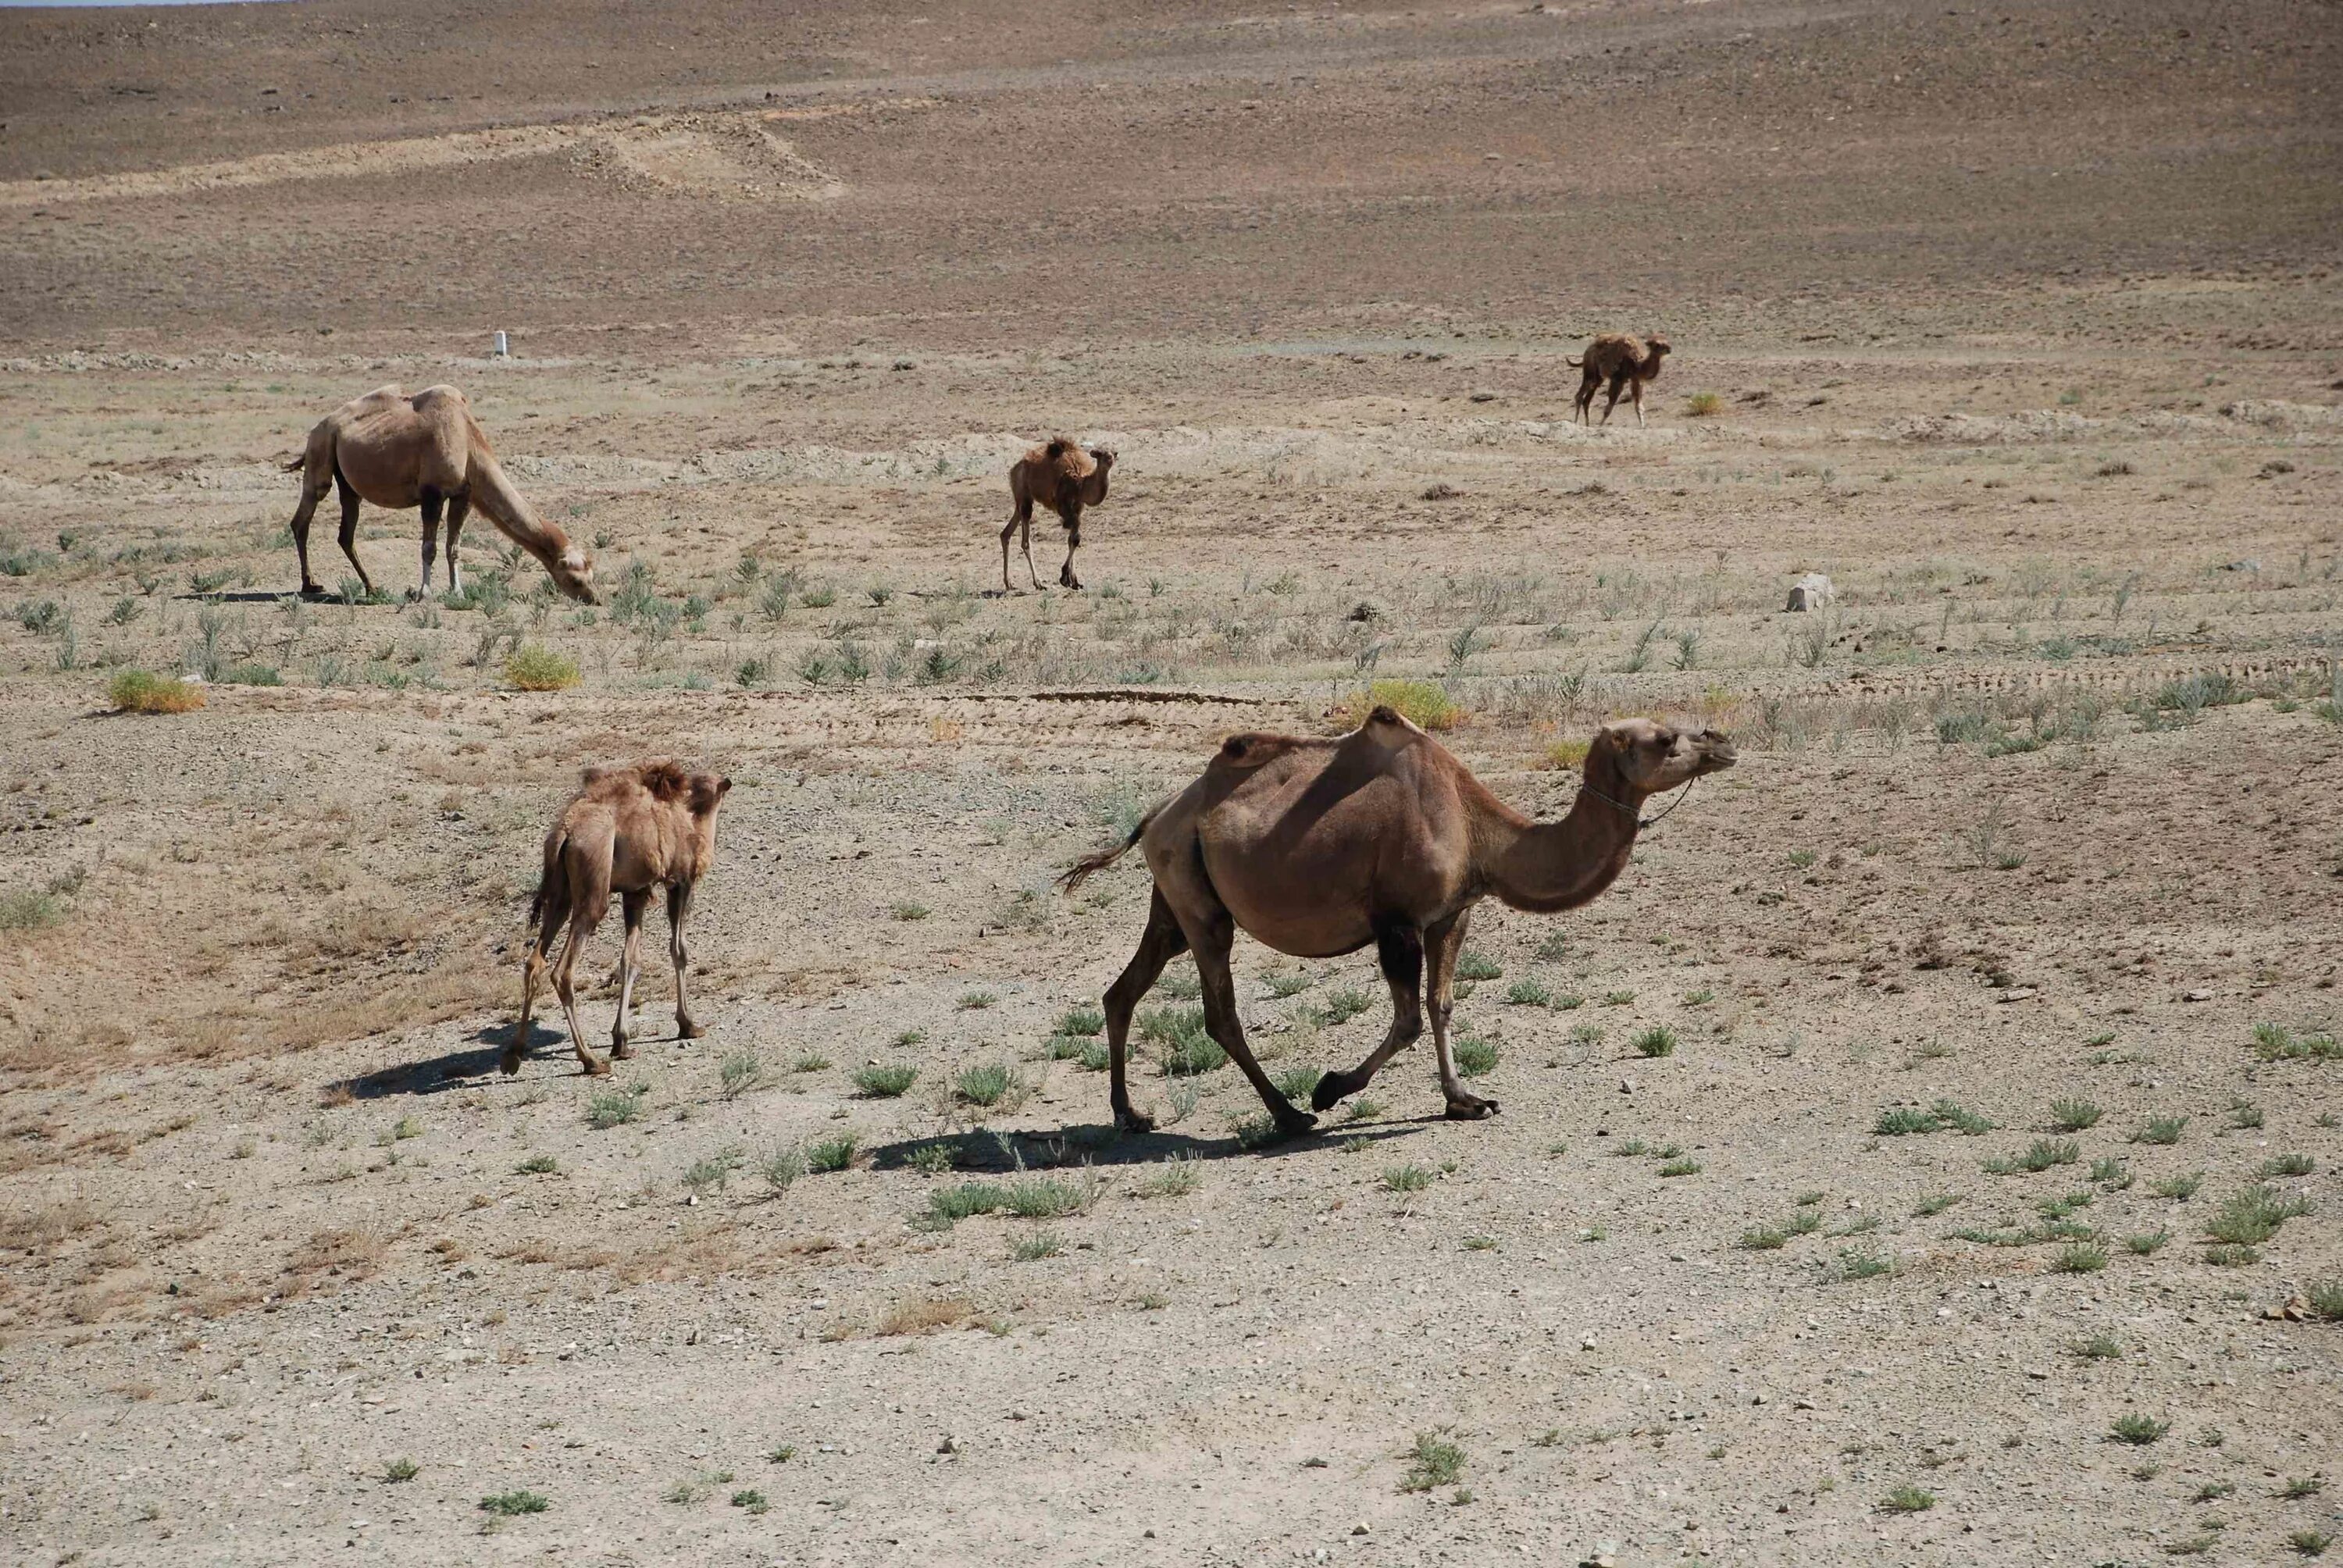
x,y
425,451
1319,847
629,830
1621,361
1065,478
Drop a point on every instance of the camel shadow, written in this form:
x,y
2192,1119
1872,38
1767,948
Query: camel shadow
x,y
453,1069
1096,1144
245,595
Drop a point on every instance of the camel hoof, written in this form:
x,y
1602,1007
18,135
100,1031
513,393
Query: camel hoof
x,y
688,1029
1133,1121
1296,1124
594,1067
1332,1087
508,1063
1471,1109
622,1050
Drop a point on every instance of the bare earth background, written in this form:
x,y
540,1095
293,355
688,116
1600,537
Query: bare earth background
x,y
2022,322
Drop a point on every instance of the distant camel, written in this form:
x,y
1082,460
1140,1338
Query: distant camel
x,y
424,451
630,829
1319,847
1065,478
1625,363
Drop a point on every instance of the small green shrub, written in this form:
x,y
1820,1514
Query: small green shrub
x,y
1475,1056
1907,1499
887,1082
1406,1178
400,1470
986,1084
1529,993
1081,1021
1704,405
1657,1040
611,1108
508,1504
2137,1430
2074,1115
534,667
1478,966
1433,1461
2162,1131
835,1153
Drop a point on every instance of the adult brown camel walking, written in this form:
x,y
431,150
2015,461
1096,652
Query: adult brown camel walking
x,y
628,829
425,451
1319,847
1623,362
1065,478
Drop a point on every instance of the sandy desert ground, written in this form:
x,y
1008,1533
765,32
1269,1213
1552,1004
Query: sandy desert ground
x,y
1925,1154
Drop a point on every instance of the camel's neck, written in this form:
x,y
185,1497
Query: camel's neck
x,y
494,496
1548,866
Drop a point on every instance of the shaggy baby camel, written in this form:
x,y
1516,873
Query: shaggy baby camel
x,y
425,451
1621,361
630,829
1065,478
1319,847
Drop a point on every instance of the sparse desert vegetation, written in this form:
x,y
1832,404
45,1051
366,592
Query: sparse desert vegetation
x,y
1927,1150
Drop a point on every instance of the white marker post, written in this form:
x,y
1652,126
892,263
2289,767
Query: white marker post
x,y
502,351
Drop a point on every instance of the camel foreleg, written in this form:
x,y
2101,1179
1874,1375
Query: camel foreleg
x,y
632,904
584,917
1441,943
1073,519
459,507
432,503
679,909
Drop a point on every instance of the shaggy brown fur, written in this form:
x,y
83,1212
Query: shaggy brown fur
x,y
628,829
1621,361
1065,478
1321,847
425,451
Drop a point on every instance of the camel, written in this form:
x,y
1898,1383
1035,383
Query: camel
x,y
1621,361
628,829
1317,848
1064,478
425,451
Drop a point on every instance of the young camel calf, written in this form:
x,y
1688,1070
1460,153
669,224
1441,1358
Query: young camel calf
x,y
1621,361
1065,478
628,830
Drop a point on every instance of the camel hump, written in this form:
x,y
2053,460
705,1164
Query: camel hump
x,y
1058,448
666,780
1252,749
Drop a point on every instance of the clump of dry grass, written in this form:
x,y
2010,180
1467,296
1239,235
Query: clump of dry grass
x,y
1564,756
925,1317
143,691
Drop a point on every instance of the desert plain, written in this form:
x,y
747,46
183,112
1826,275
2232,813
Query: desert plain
x,y
1924,1154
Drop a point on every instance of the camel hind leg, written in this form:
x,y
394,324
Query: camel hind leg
x,y
1618,385
312,490
1162,941
350,535
588,876
1399,949
556,912
1211,933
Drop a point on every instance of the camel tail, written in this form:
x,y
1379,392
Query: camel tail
x,y
297,465
1574,363
1081,870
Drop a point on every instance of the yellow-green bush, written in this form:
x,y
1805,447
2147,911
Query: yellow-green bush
x,y
537,668
143,691
1424,702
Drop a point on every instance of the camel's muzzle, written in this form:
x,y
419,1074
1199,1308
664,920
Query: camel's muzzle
x,y
1715,750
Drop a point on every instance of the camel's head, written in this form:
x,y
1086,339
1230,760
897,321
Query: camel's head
x,y
1657,346
1652,755
573,574
707,792
1103,457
